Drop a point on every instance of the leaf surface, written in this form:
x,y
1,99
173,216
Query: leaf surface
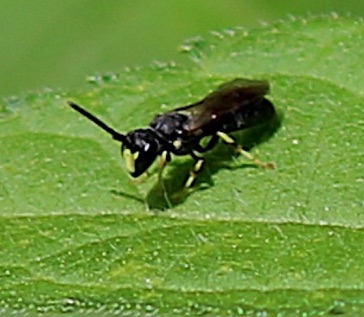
x,y
79,237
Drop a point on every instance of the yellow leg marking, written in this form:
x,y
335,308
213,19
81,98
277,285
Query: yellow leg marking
x,y
165,158
226,138
142,178
147,174
193,174
162,163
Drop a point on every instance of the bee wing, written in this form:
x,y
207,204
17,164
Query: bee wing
x,y
225,99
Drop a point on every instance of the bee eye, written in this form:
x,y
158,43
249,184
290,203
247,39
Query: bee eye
x,y
129,159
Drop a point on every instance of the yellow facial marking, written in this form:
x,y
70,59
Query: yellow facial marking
x,y
135,155
129,159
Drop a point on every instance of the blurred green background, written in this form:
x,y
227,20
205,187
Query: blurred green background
x,y
58,43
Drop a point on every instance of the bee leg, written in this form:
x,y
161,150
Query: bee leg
x,y
229,140
165,158
142,178
212,142
199,163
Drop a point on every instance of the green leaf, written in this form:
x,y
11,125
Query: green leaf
x,y
78,236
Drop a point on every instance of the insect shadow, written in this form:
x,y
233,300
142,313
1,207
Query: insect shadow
x,y
169,192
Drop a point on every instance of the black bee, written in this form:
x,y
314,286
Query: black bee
x,y
235,105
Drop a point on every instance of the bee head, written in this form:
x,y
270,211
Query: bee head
x,y
139,150
139,147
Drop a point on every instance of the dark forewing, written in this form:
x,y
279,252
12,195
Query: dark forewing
x,y
227,98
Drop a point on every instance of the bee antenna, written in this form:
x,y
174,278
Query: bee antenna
x,y
116,135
